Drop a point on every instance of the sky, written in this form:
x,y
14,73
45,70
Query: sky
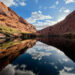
x,y
41,13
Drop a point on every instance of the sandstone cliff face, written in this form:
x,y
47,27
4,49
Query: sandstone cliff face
x,y
64,27
11,23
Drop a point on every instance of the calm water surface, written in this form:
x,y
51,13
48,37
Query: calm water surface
x,y
41,56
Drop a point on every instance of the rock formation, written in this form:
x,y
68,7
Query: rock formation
x,y
11,23
66,26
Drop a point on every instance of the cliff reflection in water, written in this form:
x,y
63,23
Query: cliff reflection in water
x,y
12,49
40,56
64,44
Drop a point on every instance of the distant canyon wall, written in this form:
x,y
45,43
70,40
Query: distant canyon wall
x,y
63,27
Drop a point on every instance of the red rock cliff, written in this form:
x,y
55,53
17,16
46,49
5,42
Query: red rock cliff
x,y
65,26
11,22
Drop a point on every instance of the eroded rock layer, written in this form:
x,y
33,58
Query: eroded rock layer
x,y
11,23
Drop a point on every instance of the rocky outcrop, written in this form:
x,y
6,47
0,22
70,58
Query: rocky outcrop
x,y
2,35
11,23
64,27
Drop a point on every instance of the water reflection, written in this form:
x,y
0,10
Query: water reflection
x,y
46,57
65,45
12,49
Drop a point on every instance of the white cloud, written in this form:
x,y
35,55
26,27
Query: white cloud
x,y
40,50
36,16
41,46
38,19
68,68
53,6
22,72
57,2
40,55
65,59
36,55
9,2
23,66
63,9
11,70
66,11
64,71
69,1
46,23
22,3
13,2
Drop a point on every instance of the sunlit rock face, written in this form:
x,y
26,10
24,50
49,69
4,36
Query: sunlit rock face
x,y
11,50
10,22
2,35
64,27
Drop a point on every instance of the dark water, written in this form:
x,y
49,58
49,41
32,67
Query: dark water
x,y
41,56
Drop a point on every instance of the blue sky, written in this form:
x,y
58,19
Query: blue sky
x,y
41,13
